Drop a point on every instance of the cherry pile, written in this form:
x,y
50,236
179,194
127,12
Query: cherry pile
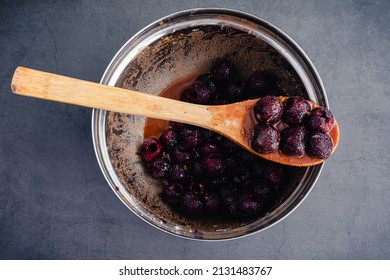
x,y
205,174
302,131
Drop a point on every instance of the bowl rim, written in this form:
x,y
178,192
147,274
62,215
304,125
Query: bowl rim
x,y
98,124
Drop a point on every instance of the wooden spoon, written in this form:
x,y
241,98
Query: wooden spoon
x,y
229,120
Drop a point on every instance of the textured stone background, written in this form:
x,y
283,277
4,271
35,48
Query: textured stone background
x,y
54,201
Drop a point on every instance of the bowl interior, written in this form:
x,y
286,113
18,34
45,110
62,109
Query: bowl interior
x,y
163,53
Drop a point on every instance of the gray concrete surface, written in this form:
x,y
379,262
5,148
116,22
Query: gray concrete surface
x,y
54,201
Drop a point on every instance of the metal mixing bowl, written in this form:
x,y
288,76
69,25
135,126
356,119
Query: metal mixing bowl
x,y
177,46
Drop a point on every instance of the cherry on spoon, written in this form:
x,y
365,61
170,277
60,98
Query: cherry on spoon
x,y
228,120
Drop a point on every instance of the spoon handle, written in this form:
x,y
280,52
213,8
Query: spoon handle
x,y
49,86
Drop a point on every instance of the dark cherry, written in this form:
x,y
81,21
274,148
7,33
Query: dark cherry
x,y
160,168
260,82
172,194
151,149
192,205
227,146
196,169
181,154
273,174
265,139
199,93
190,138
234,91
262,190
268,109
230,163
213,165
212,203
320,120
249,204
196,187
247,157
241,176
185,94
228,190
320,145
295,110
257,167
207,134
292,141
177,126
230,202
207,149
222,70
179,173
210,81
219,181
169,138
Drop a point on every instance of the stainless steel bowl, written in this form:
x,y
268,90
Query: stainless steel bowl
x,y
177,46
